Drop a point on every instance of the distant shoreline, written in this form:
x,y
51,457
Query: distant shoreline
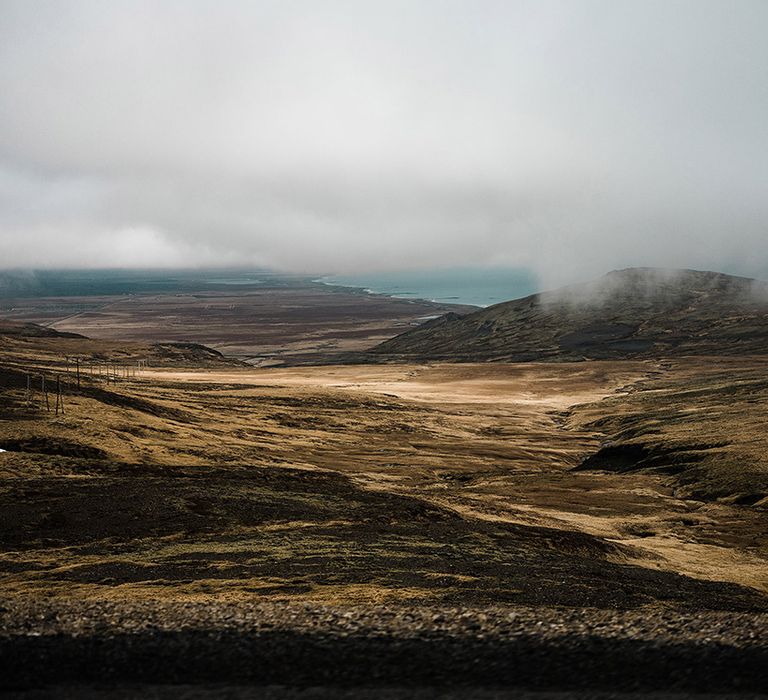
x,y
469,287
473,288
405,296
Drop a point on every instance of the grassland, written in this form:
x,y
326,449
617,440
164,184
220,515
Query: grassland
x,y
342,495
463,483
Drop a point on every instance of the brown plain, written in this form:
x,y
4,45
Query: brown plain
x,y
415,482
274,322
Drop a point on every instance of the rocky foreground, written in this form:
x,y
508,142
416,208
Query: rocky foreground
x,y
473,652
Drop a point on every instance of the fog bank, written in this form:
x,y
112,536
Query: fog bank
x,y
568,137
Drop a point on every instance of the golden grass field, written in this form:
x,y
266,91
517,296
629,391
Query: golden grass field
x,y
411,482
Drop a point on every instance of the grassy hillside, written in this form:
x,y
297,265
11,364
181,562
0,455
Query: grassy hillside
x,y
700,423
633,313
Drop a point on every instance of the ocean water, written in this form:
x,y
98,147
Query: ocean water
x,y
479,286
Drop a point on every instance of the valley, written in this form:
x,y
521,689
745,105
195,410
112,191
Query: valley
x,y
486,445
187,500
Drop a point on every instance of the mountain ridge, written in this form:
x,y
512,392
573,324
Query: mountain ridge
x,y
629,313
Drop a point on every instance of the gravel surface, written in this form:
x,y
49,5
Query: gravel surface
x,y
227,692
377,650
95,617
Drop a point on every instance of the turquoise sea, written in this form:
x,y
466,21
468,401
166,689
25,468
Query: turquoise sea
x,y
479,286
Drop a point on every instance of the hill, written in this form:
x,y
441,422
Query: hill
x,y
21,329
27,345
632,313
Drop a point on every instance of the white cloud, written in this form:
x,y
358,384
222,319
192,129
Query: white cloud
x,y
570,136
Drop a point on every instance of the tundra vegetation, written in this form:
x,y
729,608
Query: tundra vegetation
x,y
430,503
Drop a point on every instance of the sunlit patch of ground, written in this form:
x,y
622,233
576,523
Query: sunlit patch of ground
x,y
189,473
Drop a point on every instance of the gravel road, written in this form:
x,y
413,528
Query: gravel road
x,y
301,651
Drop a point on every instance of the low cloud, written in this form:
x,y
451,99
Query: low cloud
x,y
656,289
337,136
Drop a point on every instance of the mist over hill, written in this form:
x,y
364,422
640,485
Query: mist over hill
x,y
631,313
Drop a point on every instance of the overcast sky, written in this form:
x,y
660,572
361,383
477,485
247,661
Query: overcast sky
x,y
568,136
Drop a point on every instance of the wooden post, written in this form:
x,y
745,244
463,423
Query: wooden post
x,y
27,396
77,365
45,393
58,396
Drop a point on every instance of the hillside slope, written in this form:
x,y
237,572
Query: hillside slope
x,y
637,312
20,329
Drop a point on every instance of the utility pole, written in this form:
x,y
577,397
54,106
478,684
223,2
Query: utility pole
x,y
45,393
59,397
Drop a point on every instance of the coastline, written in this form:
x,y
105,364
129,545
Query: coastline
x,y
404,296
473,287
